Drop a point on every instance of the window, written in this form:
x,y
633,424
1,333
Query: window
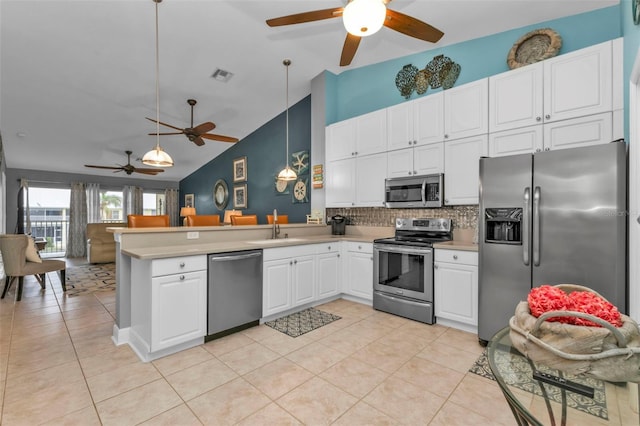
x,y
111,206
153,203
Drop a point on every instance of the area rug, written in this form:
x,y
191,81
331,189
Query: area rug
x,y
86,279
521,377
302,322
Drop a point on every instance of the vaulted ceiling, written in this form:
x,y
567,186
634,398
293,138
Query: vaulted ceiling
x,y
77,77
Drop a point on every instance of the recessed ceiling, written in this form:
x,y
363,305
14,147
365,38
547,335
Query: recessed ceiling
x,y
78,77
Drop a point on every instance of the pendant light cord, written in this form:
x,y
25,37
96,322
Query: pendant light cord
x,y
157,81
287,62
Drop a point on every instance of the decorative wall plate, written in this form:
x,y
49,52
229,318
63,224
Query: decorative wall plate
x,y
301,190
220,194
535,46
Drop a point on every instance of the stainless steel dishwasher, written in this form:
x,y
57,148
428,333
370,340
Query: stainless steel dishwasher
x,y
234,292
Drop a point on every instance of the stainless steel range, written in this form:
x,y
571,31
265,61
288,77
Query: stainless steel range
x,y
403,268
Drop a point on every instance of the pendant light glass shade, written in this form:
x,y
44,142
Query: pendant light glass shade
x,y
364,17
287,173
157,157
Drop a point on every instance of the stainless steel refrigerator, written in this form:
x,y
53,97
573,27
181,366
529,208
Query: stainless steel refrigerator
x,y
551,217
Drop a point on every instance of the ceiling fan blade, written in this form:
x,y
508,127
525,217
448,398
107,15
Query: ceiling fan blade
x,y
165,134
164,124
149,171
197,140
103,167
412,27
299,18
204,128
351,44
220,138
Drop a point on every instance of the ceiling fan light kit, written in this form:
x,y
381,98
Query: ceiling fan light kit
x,y
157,157
364,17
287,174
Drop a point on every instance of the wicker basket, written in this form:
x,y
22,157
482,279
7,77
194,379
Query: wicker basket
x,y
608,353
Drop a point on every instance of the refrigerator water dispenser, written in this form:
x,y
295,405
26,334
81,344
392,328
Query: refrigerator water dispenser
x,y
503,225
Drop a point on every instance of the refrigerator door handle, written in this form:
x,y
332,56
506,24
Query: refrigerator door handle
x,y
527,228
536,226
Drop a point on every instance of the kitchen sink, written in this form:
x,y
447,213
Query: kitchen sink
x,y
279,240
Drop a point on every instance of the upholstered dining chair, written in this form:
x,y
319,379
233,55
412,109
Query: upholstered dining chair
x,y
14,256
249,219
147,221
282,218
202,220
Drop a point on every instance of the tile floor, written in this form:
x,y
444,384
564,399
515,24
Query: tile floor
x,y
58,365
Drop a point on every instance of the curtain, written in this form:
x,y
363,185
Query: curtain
x,y
171,206
77,235
23,209
93,203
131,200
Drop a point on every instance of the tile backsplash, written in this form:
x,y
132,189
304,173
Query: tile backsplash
x,y
464,217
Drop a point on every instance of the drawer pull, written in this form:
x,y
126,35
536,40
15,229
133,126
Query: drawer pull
x,y
182,264
181,277
455,257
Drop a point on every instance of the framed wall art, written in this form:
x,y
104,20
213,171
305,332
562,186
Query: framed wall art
x,y
240,169
189,200
240,196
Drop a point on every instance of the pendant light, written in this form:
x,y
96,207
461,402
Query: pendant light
x,y
157,157
287,173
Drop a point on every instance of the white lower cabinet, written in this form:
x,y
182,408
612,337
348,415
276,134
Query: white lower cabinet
x,y
358,267
455,298
328,271
168,305
288,277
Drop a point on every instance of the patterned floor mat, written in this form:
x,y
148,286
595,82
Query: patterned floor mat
x,y
302,322
85,279
522,379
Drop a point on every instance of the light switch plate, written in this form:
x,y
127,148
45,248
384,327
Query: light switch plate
x,y
193,235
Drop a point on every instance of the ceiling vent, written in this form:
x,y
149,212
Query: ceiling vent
x,y
222,75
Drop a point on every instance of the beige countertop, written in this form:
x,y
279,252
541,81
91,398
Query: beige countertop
x,y
457,245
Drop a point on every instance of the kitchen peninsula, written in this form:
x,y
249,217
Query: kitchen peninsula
x,y
147,256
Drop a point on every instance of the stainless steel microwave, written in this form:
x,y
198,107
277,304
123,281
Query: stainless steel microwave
x,y
424,191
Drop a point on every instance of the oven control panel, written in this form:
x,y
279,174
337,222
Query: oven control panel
x,y
423,224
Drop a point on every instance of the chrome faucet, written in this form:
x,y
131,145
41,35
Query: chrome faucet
x,y
275,230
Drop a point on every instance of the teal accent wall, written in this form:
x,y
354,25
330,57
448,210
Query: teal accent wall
x,y
265,152
361,90
631,49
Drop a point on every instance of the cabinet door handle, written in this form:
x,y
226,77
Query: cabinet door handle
x,y
409,142
409,172
446,136
181,277
435,266
329,248
182,264
290,262
415,172
538,118
415,142
547,116
295,262
547,149
338,254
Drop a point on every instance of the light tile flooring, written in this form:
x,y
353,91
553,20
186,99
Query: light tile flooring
x,y
58,365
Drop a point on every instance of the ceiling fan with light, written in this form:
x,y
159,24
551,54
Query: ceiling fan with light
x,y
362,18
197,133
129,168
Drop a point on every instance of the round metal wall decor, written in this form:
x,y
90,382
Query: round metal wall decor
x,y
422,82
220,194
535,46
406,80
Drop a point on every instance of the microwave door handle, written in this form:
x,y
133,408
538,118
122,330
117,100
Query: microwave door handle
x,y
527,229
536,226
423,192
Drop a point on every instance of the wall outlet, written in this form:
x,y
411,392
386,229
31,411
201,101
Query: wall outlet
x,y
193,235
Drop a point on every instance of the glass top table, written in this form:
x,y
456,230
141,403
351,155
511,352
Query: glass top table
x,y
538,395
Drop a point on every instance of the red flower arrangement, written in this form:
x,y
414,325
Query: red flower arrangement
x,y
548,298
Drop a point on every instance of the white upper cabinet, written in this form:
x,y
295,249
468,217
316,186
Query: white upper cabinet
x,y
576,84
362,135
356,182
466,110
515,98
462,170
418,160
417,122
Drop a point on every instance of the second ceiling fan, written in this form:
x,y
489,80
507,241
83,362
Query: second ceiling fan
x,y
195,134
386,17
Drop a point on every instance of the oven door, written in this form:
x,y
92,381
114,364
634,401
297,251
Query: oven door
x,y
403,271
